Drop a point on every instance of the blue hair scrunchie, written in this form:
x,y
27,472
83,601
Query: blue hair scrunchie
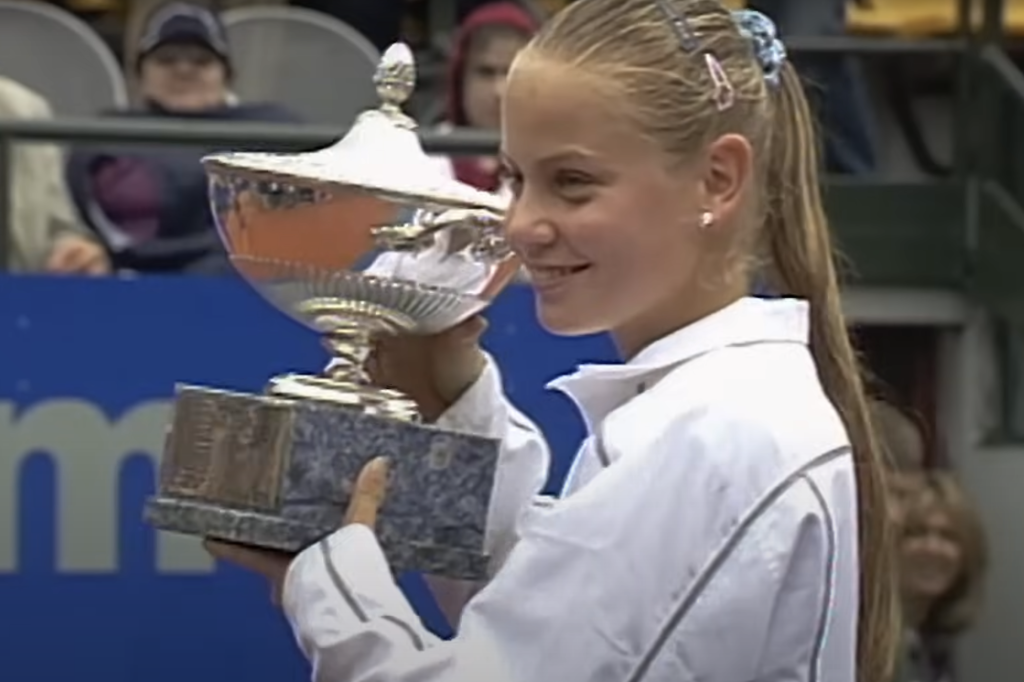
x,y
768,49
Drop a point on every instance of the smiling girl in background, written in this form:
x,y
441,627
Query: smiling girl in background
x,y
943,560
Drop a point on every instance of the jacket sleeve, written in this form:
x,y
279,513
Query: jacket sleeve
x,y
484,410
600,587
62,217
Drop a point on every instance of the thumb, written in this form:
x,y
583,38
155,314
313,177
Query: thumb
x,y
368,493
61,257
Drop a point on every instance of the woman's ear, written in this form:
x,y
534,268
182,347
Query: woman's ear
x,y
729,166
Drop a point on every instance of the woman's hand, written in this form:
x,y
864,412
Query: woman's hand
x,y
77,255
367,496
432,370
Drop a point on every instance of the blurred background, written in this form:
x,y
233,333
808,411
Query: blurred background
x,y
114,287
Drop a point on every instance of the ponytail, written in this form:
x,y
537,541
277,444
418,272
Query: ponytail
x,y
802,265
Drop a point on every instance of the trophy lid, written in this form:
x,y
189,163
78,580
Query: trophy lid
x,y
381,154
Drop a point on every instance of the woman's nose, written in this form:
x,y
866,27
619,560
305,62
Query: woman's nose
x,y
527,228
499,88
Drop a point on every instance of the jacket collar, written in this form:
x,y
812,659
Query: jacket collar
x,y
599,389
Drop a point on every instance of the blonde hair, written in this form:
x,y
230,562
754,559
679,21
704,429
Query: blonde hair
x,y
634,49
957,609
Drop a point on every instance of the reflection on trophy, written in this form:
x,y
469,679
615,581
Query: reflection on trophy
x,y
366,237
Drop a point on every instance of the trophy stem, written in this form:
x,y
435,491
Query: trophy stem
x,y
345,381
350,346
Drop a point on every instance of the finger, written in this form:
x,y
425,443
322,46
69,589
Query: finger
x,y
61,258
259,561
388,346
372,364
368,493
77,257
228,551
394,358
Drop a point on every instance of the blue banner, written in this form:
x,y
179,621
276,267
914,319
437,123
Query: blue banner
x,y
87,592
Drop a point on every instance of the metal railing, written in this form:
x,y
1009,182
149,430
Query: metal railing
x,y
287,137
212,135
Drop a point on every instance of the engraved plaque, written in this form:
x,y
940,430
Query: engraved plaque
x,y
278,473
230,451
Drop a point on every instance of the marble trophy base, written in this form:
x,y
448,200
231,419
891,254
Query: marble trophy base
x,y
277,473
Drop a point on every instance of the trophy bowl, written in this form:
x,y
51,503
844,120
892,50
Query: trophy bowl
x,y
369,236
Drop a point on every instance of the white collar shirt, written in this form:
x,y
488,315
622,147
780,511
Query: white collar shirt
x,y
707,531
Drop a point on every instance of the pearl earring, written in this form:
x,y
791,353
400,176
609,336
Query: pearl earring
x,y
707,219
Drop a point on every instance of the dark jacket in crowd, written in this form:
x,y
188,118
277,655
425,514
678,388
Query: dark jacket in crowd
x,y
150,204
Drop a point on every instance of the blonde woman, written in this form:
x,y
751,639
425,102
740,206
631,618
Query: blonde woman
x,y
725,520
943,561
46,233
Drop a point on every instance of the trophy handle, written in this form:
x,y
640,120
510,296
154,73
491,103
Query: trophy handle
x,y
479,230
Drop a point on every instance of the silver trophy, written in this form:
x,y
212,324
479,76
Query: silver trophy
x,y
367,237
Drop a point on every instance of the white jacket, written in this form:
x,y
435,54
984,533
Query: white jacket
x,y
707,532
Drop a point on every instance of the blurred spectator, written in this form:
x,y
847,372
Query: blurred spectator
x,y
150,204
45,233
836,86
135,15
943,559
485,45
183,62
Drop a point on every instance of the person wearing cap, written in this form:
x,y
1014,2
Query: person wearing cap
x,y
183,62
150,204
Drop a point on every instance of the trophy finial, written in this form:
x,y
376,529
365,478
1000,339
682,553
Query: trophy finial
x,y
395,79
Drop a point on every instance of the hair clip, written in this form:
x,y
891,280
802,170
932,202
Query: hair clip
x,y
687,38
763,35
725,94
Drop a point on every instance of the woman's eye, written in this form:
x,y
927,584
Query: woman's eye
x,y
572,179
574,187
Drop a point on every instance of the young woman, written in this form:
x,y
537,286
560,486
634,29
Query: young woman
x,y
725,520
943,561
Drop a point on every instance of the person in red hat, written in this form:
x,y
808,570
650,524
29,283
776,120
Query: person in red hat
x,y
484,47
